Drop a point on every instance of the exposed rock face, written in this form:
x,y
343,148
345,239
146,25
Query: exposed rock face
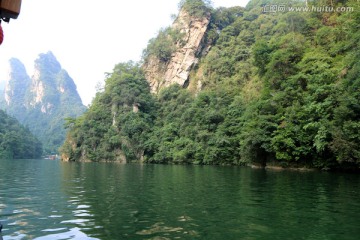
x,y
15,91
52,87
178,68
44,100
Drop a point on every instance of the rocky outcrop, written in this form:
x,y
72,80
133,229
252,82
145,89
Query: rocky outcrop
x,y
184,58
15,91
51,85
42,101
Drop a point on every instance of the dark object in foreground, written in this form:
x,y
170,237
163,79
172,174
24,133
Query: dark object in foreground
x,y
0,227
9,9
1,35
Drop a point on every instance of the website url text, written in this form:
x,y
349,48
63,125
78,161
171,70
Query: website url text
x,y
284,8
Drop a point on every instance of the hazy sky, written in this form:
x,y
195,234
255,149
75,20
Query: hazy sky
x,y
88,37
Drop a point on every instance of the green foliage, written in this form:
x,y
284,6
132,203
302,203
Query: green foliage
x,y
164,45
276,89
196,8
16,141
261,51
191,130
116,125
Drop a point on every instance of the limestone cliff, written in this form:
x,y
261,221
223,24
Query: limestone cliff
x,y
51,86
42,101
15,91
184,57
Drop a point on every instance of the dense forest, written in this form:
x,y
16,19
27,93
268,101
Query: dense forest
x,y
277,88
16,141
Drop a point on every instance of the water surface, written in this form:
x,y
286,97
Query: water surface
x,y
45,199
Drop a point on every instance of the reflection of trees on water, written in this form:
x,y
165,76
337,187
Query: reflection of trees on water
x,y
133,201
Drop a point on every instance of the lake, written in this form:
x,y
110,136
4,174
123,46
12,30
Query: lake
x,y
45,199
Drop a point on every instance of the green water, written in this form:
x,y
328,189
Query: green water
x,y
44,199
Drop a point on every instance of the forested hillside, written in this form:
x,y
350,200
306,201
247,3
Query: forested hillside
x,y
17,141
118,122
267,88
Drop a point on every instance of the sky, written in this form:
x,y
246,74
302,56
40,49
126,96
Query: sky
x,y
88,37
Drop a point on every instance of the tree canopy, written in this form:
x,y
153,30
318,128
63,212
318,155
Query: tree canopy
x,y
16,141
277,88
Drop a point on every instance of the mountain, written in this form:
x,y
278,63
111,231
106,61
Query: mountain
x,y
43,101
15,89
16,141
239,86
2,86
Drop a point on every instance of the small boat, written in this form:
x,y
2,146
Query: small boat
x,y
52,157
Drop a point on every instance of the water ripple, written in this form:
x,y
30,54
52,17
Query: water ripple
x,y
73,233
52,200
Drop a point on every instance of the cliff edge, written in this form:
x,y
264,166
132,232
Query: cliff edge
x,y
162,72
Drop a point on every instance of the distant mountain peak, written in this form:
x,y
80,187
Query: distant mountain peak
x,y
44,100
49,60
50,82
17,82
